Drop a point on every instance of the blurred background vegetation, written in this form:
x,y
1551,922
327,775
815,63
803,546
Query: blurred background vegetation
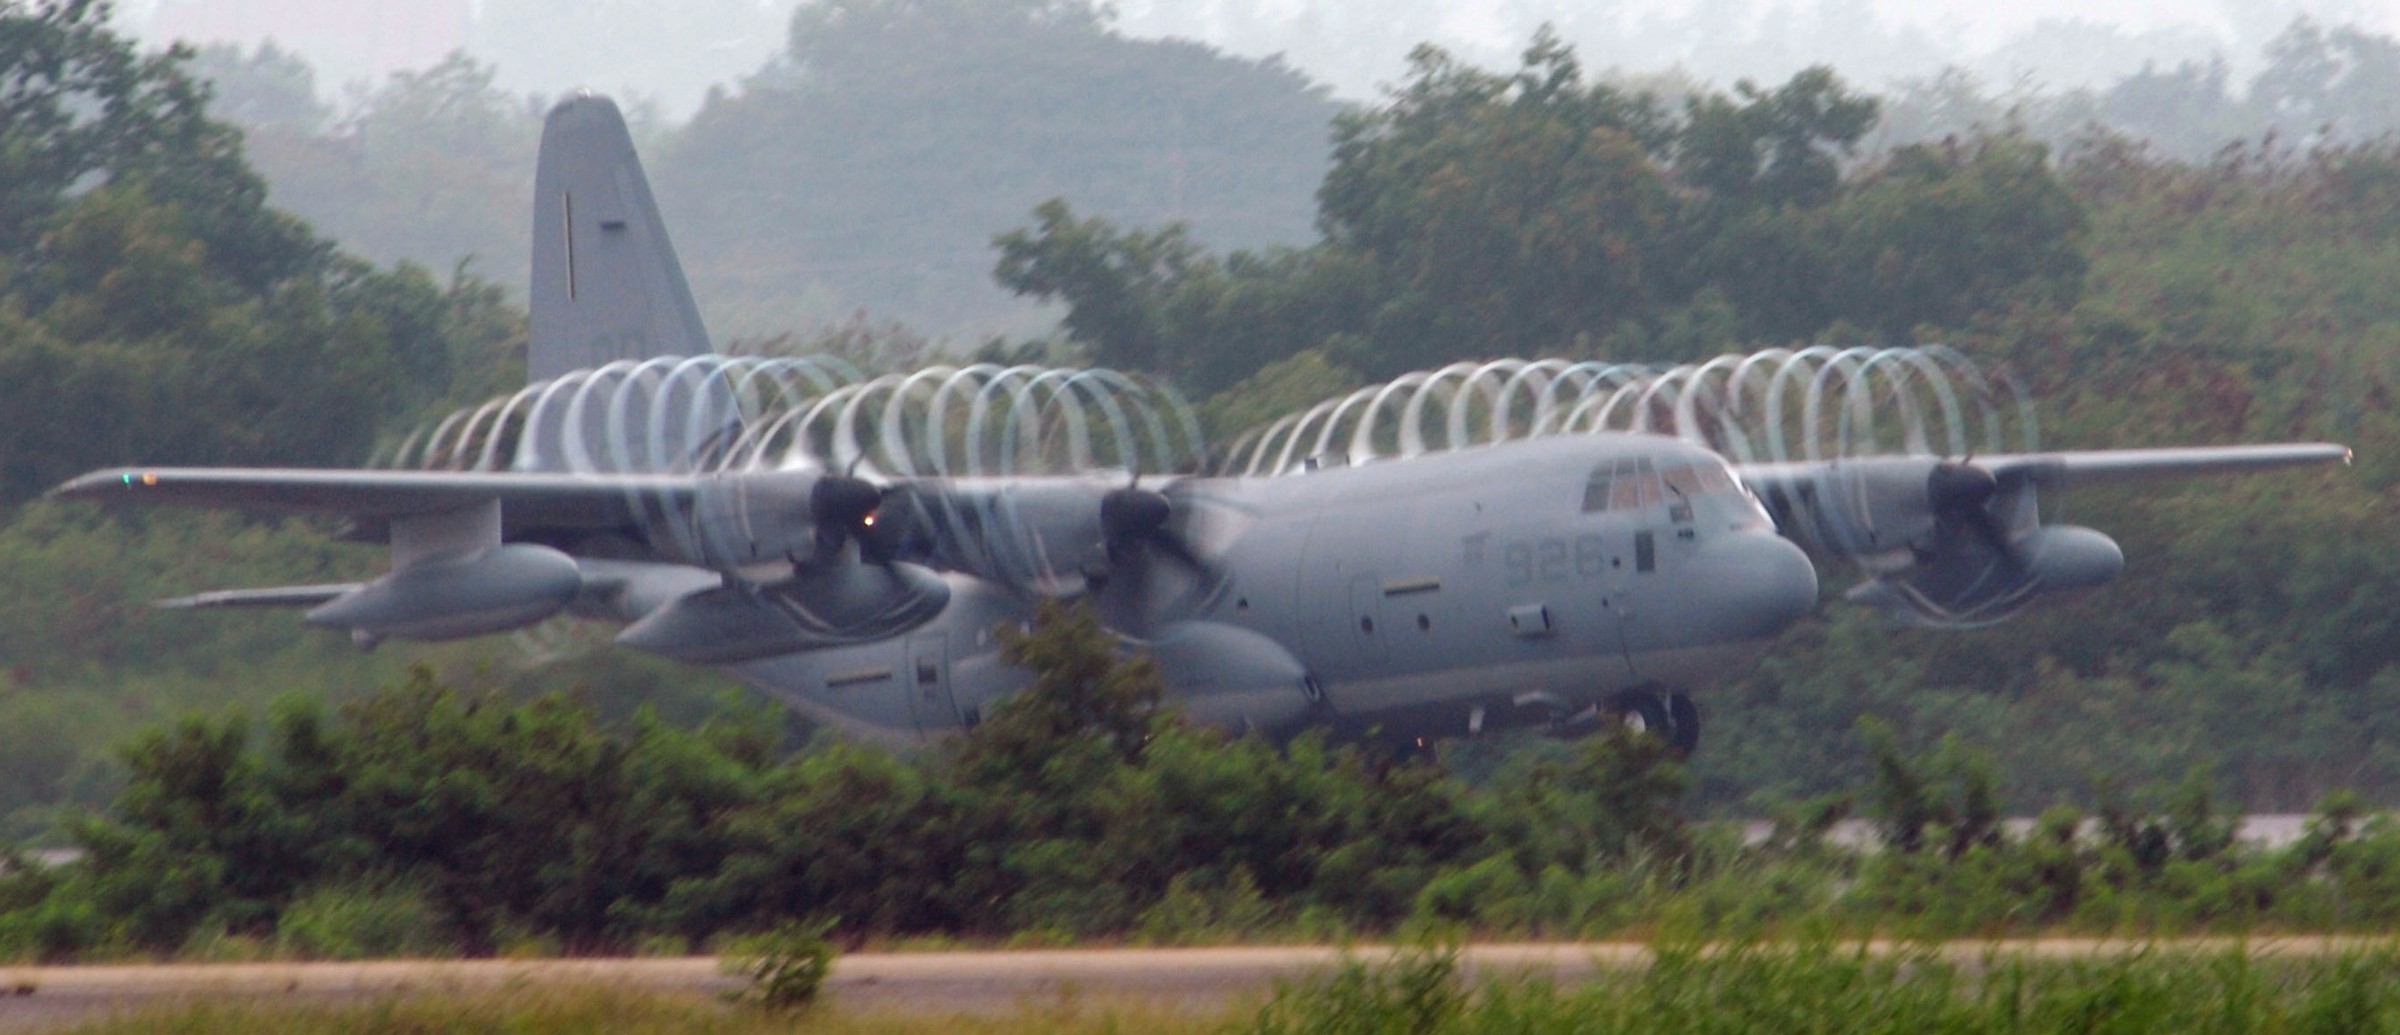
x,y
204,260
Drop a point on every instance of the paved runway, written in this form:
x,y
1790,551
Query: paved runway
x,y
34,998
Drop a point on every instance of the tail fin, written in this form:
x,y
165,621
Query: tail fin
x,y
606,285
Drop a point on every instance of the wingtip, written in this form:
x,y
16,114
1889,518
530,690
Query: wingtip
x,y
95,483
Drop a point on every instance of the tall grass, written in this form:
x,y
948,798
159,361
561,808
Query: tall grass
x,y
1789,988
602,1011
1798,988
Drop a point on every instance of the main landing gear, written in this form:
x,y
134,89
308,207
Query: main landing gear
x,y
1673,718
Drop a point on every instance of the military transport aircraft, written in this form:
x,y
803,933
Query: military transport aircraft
x,y
1570,575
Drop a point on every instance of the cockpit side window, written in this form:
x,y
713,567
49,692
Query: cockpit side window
x,y
1682,485
1715,478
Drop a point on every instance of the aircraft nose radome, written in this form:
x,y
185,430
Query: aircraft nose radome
x,y
1768,583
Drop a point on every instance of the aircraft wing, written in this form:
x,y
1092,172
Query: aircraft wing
x,y
2115,466
529,499
2093,467
1959,543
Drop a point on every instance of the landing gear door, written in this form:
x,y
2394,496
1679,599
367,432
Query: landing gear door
x,y
927,679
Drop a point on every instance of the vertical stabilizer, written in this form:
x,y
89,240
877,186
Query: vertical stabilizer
x,y
606,285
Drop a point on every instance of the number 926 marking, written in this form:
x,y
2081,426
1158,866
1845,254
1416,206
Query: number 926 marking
x,y
1554,560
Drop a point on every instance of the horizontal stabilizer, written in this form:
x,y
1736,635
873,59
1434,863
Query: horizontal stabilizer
x,y
271,596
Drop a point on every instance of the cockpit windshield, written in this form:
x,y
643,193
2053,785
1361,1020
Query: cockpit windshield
x,y
1637,482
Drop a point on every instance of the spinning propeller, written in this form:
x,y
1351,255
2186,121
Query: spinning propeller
x,y
1961,496
1134,520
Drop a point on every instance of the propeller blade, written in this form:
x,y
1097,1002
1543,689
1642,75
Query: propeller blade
x,y
1134,518
1962,494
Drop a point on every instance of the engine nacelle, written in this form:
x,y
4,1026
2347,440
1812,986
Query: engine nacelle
x,y
2065,558
820,607
468,594
1230,677
1969,584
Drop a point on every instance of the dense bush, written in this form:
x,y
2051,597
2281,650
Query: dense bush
x,y
429,820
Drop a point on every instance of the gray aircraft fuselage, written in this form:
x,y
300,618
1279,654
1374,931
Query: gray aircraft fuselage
x,y
1437,596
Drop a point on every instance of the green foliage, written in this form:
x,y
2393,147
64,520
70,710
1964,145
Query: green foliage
x,y
1417,991
785,968
428,820
1819,986
79,106
1533,213
356,923
591,1009
154,310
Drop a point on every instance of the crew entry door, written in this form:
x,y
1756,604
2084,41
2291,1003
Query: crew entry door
x,y
1627,498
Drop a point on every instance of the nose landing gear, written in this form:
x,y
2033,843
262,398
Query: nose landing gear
x,y
1673,718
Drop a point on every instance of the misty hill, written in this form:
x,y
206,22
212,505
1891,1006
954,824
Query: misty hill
x,y
866,170
875,170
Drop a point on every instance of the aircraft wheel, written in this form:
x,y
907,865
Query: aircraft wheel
x,y
1641,711
1683,718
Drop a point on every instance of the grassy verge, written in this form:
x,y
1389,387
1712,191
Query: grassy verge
x,y
1780,987
600,1011
1804,987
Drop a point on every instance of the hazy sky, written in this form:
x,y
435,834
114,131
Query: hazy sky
x,y
1983,24
1357,44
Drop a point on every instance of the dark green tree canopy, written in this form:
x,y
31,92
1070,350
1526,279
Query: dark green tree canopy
x,y
80,107
153,308
1535,213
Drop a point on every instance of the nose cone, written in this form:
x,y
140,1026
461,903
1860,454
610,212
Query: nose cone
x,y
1760,583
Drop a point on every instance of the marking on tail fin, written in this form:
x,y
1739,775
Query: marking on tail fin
x,y
569,199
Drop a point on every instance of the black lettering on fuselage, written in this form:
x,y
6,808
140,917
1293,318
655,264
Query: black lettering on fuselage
x,y
1555,559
